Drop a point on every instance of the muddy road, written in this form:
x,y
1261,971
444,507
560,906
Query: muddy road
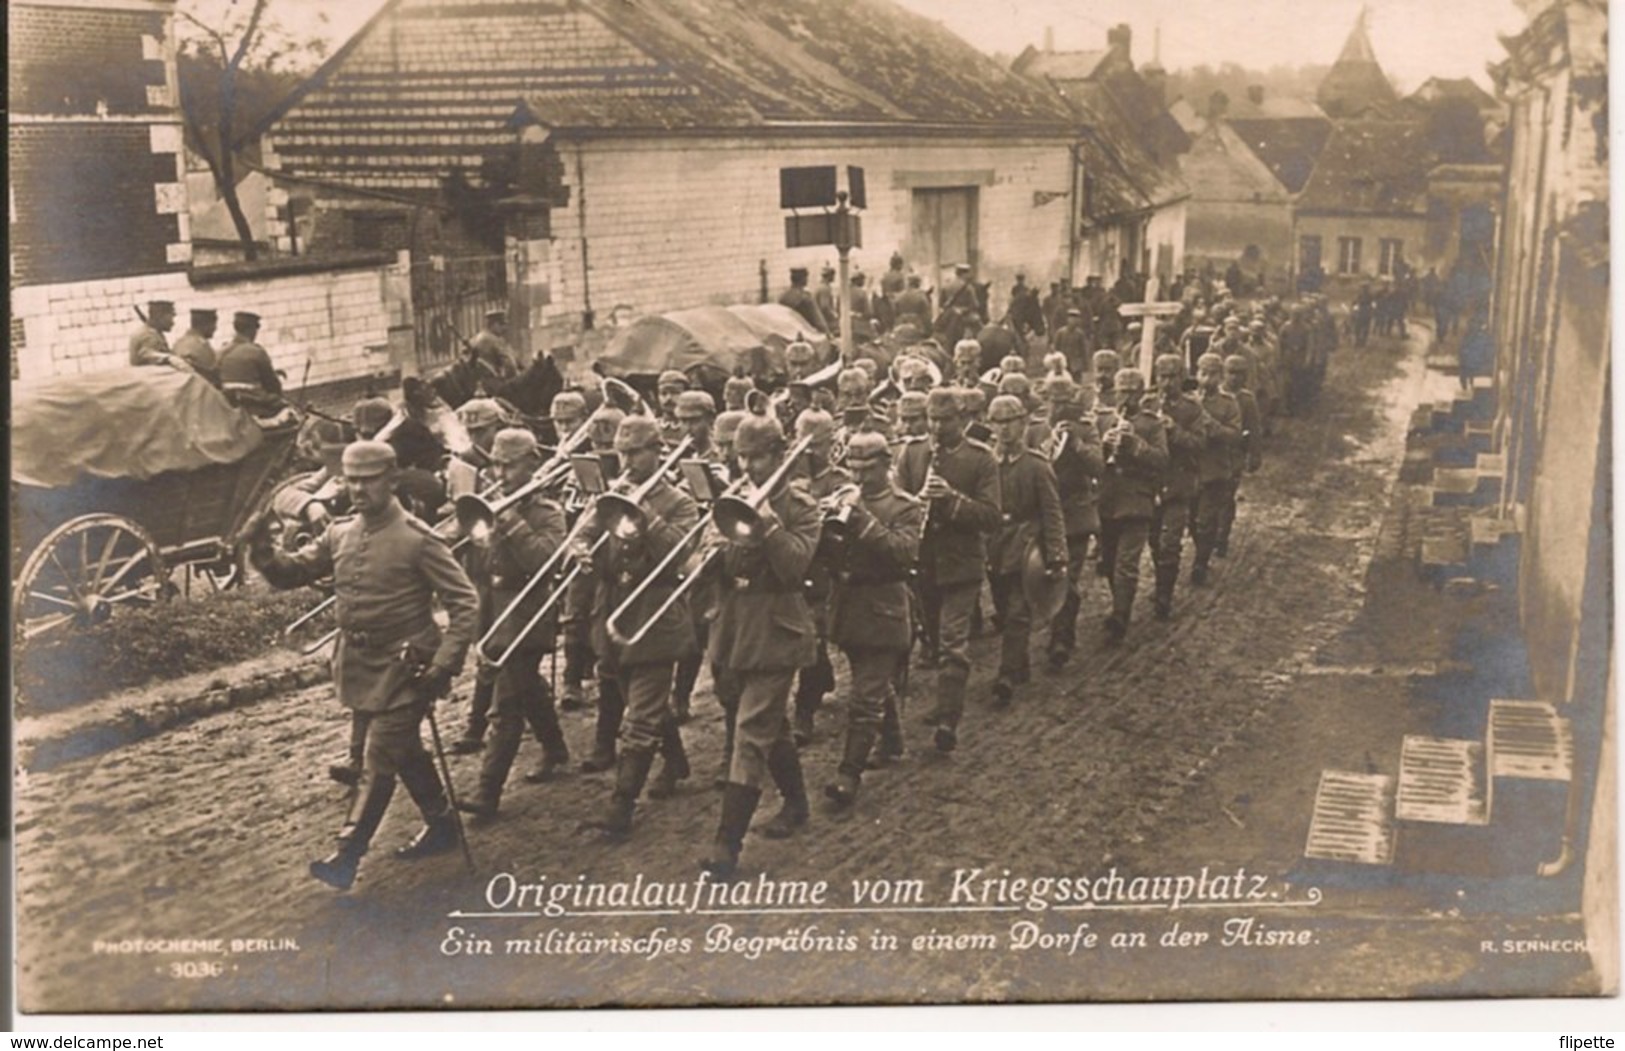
x,y
1191,750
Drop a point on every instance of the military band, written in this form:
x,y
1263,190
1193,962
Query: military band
x,y
914,482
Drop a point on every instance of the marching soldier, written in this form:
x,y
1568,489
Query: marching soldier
x,y
764,631
1295,352
195,349
727,428
1105,364
911,422
1076,458
1031,511
1248,457
148,344
735,392
694,409
967,364
566,413
870,602
1188,429
391,662
959,478
643,670
520,541
824,478
1135,444
1074,341
671,385
1217,460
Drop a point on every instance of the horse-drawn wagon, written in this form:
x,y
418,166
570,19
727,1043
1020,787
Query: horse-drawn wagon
x,y
121,476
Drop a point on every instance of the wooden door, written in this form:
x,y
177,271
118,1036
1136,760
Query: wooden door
x,y
944,232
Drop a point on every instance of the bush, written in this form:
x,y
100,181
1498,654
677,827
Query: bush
x,y
139,646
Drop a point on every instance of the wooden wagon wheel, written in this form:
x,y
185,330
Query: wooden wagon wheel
x,y
82,569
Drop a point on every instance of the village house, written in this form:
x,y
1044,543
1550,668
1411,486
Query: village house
x,y
100,220
586,160
1132,211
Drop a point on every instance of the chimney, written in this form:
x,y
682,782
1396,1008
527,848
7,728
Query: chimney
x,y
1049,40
1255,94
1156,78
1121,38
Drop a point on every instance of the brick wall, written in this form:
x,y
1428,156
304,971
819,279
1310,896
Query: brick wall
x,y
76,60
95,200
341,319
682,223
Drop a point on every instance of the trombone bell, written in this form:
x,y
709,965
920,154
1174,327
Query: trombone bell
x,y
735,517
619,516
474,514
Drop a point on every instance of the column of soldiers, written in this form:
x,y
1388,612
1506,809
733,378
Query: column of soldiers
x,y
904,493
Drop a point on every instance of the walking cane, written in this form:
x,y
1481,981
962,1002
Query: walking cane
x,y
445,772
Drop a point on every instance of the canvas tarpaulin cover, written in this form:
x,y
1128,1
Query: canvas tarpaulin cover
x,y
123,423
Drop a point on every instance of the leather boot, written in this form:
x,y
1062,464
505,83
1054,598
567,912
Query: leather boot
x,y
349,771
738,807
479,709
439,832
631,771
544,725
688,673
611,707
373,792
843,792
673,763
1063,633
1162,602
785,765
730,721
483,803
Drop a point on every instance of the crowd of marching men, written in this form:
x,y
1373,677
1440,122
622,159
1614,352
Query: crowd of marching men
x,y
861,511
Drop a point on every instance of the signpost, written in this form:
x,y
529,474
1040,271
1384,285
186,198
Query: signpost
x,y
837,224
1150,311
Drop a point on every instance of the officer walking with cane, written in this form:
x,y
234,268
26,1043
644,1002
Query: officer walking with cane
x,y
392,662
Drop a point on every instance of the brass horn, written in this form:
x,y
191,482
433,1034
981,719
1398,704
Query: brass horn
x,y
733,517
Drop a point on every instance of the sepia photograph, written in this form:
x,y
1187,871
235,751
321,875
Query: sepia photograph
x,y
538,504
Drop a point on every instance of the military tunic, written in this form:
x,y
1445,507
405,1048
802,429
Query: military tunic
x,y
196,351
245,365
148,346
1128,495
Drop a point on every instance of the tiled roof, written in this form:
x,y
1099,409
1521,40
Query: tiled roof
x,y
1370,166
1289,148
428,86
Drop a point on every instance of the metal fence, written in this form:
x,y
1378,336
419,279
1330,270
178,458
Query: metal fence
x,y
450,297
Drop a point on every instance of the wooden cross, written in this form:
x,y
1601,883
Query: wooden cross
x,y
1150,311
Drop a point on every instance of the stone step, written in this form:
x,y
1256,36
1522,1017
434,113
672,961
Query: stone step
x,y
1529,740
1441,780
1353,819
1465,487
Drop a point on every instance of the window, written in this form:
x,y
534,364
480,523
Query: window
x,y
1348,255
1308,253
1391,256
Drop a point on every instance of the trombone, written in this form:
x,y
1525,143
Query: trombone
x,y
615,514
734,517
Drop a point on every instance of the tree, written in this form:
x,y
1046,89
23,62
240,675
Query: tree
x,y
237,59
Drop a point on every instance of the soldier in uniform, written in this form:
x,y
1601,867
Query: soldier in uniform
x,y
1217,460
801,360
726,428
1188,429
1135,444
967,364
893,281
824,296
520,541
671,384
735,392
644,670
764,631
869,605
797,298
391,662
491,349
195,349
1073,340
1105,364
1248,457
694,410
1296,357
246,373
959,478
823,478
1075,456
566,413
914,305
148,344
911,421
1030,505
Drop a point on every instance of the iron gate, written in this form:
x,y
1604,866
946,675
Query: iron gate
x,y
450,297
